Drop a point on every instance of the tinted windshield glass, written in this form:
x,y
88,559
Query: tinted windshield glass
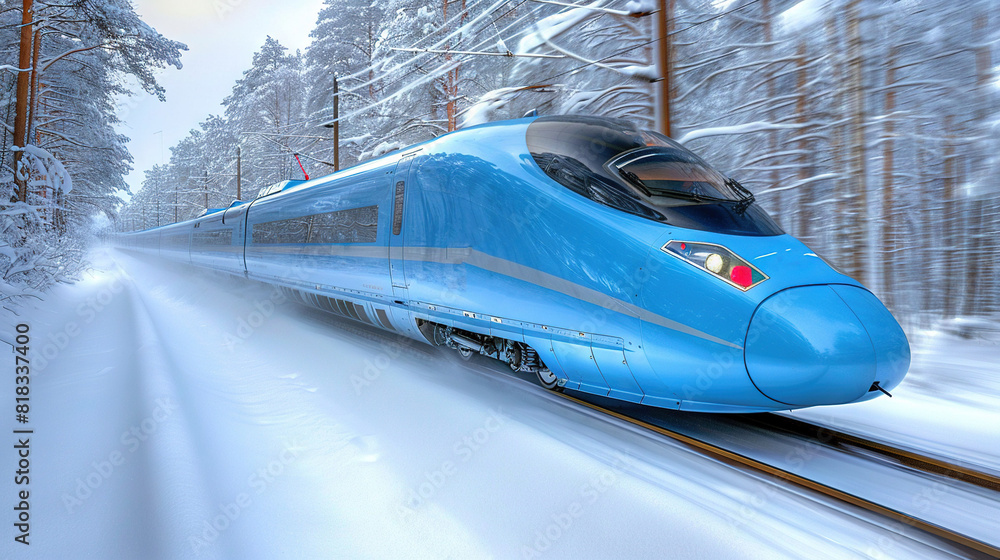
x,y
664,171
574,175
643,173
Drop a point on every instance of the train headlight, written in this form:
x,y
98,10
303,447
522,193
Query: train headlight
x,y
714,263
717,261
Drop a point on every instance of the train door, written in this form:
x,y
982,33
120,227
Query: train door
x,y
236,216
397,272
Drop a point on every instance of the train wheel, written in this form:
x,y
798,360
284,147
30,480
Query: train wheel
x,y
513,355
548,379
440,335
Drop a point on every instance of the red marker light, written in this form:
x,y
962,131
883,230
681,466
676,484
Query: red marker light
x,y
742,276
684,246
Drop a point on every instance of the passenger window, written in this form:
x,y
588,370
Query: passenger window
x,y
397,210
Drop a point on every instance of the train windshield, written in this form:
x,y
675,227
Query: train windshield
x,y
643,173
670,172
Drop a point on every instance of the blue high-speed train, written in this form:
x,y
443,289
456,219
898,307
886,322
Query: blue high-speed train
x,y
604,258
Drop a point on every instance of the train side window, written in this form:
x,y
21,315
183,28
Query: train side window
x,y
397,209
353,225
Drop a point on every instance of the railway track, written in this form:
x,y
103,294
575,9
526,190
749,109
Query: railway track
x,y
917,462
733,439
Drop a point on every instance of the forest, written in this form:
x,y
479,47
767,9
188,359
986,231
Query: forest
x,y
867,128
63,70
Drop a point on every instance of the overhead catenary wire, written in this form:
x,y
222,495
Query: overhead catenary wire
x,y
507,54
442,69
416,60
440,43
319,119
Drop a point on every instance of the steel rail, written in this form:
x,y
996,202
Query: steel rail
x,y
744,461
925,463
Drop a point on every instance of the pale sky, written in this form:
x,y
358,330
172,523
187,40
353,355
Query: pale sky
x,y
221,36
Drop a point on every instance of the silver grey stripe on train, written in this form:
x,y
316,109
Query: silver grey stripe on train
x,y
551,282
466,255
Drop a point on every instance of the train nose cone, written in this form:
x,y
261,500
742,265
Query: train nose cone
x,y
809,346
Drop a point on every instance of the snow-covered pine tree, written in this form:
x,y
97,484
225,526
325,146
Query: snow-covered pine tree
x,y
344,45
264,109
60,125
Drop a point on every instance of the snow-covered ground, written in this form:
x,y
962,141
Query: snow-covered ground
x,y
186,415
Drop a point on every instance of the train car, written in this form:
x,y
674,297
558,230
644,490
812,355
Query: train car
x,y
603,258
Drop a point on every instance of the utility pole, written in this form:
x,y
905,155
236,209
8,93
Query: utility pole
x,y
175,203
157,212
206,190
21,107
664,24
239,174
336,125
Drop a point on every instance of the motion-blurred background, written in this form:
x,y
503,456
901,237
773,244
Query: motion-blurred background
x,y
867,128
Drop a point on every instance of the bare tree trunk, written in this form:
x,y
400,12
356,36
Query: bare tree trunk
x,y
21,107
949,215
978,240
771,91
975,254
451,91
858,216
927,201
889,261
372,38
33,94
449,84
991,221
664,93
837,142
806,197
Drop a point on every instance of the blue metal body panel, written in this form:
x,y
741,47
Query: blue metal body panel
x,y
488,243
892,353
806,347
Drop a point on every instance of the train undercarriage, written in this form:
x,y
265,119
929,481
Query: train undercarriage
x,y
518,355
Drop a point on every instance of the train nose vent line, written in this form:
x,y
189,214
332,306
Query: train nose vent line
x,y
927,465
